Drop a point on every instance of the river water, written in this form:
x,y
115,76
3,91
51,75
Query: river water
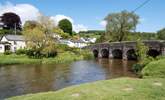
x,y
23,79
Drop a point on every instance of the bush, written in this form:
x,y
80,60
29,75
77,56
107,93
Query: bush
x,y
87,54
21,51
8,52
155,69
34,53
137,67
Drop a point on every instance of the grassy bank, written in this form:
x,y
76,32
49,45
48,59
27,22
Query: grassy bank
x,y
65,57
117,89
155,69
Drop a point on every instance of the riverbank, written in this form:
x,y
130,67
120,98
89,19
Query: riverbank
x,y
117,89
65,57
151,87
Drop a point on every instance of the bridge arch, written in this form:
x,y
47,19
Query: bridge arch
x,y
95,53
131,54
117,54
105,53
153,53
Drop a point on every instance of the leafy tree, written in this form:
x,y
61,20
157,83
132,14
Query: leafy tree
x,y
141,51
120,24
39,39
11,21
60,32
66,26
161,34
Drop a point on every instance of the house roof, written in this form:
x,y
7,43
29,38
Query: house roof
x,y
15,37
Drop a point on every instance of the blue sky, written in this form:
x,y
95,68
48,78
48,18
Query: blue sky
x,y
91,12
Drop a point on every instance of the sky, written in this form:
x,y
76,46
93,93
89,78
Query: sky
x,y
88,14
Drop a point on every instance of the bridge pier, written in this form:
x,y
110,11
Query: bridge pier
x,y
99,54
163,51
110,54
125,53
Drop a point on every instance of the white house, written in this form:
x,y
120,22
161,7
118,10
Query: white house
x,y
12,43
79,43
72,43
67,42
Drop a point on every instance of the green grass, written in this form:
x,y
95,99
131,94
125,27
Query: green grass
x,y
17,59
155,69
116,89
65,57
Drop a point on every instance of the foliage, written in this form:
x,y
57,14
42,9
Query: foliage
x,y
50,49
65,57
141,51
66,26
134,36
120,24
21,51
97,32
60,32
17,59
87,54
142,57
44,44
155,69
114,89
7,52
11,21
161,34
6,31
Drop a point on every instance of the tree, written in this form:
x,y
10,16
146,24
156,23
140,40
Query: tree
x,y
66,26
60,32
39,38
11,21
120,24
161,34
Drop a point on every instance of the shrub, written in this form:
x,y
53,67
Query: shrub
x,y
21,51
87,54
155,69
34,53
137,67
8,52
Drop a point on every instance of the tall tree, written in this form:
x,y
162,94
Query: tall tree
x,y
120,24
66,26
161,34
39,37
11,21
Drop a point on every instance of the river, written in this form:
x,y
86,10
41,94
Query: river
x,y
23,79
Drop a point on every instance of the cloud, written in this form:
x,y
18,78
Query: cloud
x,y
25,11
76,27
79,27
103,23
59,17
30,12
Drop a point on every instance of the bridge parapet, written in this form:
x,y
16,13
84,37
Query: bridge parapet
x,y
126,47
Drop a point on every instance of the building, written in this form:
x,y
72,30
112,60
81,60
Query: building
x,y
73,43
12,43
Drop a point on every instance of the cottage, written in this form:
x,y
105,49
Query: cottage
x,y
12,43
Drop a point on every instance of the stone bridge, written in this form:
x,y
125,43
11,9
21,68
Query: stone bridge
x,y
126,50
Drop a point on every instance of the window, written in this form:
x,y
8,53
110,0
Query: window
x,y
0,47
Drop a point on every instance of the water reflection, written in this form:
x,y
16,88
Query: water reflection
x,y
23,79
